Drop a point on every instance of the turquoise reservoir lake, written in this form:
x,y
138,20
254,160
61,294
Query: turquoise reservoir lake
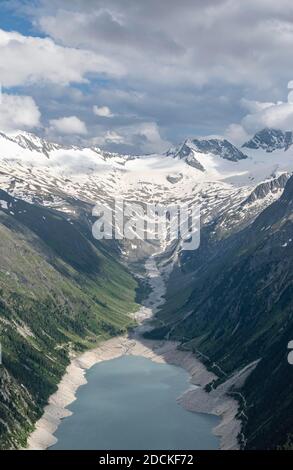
x,y
130,403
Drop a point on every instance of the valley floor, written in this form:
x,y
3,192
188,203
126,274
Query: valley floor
x,y
195,399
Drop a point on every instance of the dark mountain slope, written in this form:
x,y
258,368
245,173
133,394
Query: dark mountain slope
x,y
237,308
270,140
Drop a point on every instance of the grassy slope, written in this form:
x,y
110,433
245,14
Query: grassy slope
x,y
58,292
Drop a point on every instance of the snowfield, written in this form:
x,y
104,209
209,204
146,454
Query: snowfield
x,y
222,179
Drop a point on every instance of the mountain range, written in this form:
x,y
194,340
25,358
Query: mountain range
x,y
230,301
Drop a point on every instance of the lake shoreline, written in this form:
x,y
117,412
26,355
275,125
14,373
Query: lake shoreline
x,y
195,399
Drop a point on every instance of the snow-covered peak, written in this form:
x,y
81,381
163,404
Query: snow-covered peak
x,y
33,142
191,150
270,140
34,145
186,153
219,147
210,172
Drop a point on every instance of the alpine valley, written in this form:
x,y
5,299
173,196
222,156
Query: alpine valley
x,y
230,301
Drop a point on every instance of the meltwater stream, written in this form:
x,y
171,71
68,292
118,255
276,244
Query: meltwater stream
x,y
130,403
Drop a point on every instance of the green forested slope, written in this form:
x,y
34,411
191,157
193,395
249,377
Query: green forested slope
x,y
58,293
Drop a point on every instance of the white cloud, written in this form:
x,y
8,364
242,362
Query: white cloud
x,y
180,42
277,116
110,137
145,137
68,125
255,106
25,60
183,65
114,138
262,115
236,134
149,132
18,112
102,111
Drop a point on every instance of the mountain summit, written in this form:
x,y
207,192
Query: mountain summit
x,y
215,147
270,140
219,147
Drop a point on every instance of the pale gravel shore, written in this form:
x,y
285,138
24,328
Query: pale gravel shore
x,y
194,399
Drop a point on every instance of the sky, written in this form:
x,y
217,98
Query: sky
x,y
137,76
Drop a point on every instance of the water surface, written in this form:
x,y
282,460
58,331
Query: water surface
x,y
130,403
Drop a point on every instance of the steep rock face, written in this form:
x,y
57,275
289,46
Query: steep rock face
x,y
184,152
236,307
174,178
32,142
220,147
270,140
267,187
